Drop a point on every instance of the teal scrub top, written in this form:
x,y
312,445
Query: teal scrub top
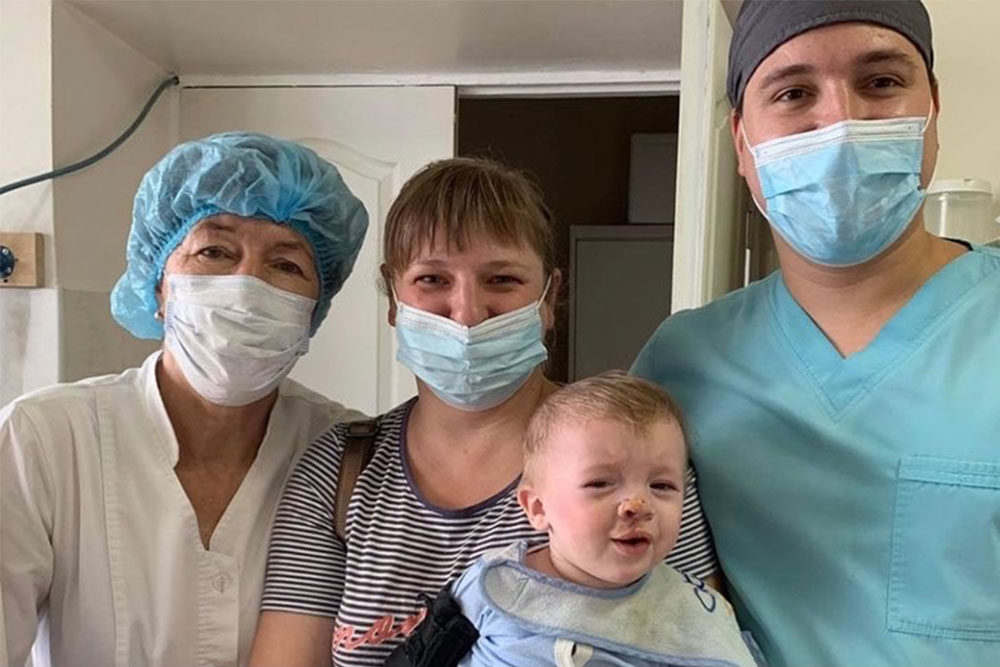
x,y
855,503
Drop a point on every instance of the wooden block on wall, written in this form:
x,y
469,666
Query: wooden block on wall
x,y
27,249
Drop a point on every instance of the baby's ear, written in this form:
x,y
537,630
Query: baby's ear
x,y
533,507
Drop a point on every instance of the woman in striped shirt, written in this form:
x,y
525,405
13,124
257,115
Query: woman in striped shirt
x,y
470,272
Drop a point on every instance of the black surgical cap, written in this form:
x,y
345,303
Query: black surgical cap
x,y
764,25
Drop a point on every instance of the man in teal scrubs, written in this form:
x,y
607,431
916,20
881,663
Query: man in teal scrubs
x,y
845,411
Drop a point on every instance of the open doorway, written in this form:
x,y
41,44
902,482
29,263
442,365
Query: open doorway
x,y
607,168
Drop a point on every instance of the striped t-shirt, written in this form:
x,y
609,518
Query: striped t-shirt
x,y
398,545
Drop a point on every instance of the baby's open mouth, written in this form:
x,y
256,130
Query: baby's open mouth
x,y
632,544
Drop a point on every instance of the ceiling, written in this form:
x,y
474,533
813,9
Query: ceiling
x,y
296,37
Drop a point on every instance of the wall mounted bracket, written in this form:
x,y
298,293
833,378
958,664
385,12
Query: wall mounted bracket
x,y
21,259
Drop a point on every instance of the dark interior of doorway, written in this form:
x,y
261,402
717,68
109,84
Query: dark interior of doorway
x,y
578,150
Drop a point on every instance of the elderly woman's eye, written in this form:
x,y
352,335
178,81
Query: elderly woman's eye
x,y
290,267
213,252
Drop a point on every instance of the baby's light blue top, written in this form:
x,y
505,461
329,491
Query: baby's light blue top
x,y
528,619
855,502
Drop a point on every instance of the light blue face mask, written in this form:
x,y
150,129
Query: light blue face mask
x,y
842,194
471,368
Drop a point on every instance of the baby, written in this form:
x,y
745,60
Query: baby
x,y
605,462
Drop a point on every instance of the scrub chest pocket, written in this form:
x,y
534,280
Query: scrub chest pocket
x,y
944,578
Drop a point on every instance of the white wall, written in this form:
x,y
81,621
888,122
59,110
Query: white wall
x,y
29,354
967,65
99,84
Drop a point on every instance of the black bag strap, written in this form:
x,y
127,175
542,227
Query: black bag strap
x,y
442,639
358,451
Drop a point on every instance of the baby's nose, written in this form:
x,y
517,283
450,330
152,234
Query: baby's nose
x,y
634,508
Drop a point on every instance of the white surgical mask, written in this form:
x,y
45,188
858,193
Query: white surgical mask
x,y
471,368
234,337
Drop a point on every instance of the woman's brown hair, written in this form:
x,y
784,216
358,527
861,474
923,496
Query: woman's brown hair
x,y
466,198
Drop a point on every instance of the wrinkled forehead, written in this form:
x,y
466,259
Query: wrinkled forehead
x,y
240,229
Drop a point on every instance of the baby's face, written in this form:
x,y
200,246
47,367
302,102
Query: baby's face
x,y
610,499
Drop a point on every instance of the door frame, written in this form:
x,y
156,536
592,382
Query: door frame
x,y
696,238
541,83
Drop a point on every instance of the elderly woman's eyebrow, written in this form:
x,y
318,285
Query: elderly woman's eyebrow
x,y
214,226
293,245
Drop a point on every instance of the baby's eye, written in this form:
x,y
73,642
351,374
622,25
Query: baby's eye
x,y
664,486
597,484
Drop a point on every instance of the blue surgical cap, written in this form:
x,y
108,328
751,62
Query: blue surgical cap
x,y
244,174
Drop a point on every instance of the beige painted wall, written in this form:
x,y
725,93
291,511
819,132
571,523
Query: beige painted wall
x,y
99,84
29,353
68,87
967,64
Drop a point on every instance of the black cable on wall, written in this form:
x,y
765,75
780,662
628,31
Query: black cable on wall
x,y
10,187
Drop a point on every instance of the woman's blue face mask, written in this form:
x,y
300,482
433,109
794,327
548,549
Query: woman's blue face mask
x,y
472,368
841,195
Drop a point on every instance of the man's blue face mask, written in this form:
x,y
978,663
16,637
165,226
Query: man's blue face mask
x,y
842,194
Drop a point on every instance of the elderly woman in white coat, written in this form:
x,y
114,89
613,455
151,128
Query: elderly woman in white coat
x,y
135,509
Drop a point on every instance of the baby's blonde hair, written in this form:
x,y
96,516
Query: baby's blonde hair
x,y
614,396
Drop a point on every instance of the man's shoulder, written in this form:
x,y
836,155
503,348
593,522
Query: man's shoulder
x,y
989,250
717,318
988,258
977,272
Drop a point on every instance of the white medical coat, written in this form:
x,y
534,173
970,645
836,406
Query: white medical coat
x,y
100,552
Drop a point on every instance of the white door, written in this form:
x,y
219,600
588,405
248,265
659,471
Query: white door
x,y
708,233
378,137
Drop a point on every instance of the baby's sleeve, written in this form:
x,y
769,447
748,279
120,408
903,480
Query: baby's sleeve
x,y
468,592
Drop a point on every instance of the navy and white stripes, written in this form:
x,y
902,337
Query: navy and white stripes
x,y
399,545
